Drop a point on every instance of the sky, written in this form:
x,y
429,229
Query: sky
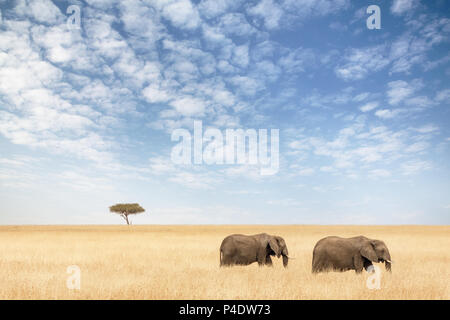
x,y
88,107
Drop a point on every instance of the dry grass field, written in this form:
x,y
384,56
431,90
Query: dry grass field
x,y
182,262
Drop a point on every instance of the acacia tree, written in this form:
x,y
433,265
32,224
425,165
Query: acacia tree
x,y
125,209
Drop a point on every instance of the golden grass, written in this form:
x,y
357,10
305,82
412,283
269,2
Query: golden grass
x,y
182,262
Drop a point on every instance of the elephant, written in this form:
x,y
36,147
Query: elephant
x,y
342,254
239,249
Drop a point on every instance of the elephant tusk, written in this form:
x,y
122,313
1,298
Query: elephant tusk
x,y
389,261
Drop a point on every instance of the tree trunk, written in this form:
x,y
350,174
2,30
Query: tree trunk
x,y
125,216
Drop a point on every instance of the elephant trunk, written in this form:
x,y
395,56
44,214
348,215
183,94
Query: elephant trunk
x,y
284,252
285,261
388,262
387,265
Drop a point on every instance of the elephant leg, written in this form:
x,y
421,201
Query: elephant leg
x,y
358,263
224,259
268,260
318,265
261,257
225,262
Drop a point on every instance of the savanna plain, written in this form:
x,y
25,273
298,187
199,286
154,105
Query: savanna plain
x,y
182,262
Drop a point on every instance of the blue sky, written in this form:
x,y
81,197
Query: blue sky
x,y
86,115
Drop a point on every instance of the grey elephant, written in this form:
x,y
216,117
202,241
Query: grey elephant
x,y
239,249
342,254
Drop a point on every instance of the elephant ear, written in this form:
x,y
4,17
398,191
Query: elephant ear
x,y
274,246
368,251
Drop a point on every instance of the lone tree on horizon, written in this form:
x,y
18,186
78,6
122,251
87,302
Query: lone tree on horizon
x,y
125,209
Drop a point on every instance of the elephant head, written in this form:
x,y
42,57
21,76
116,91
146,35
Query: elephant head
x,y
376,251
279,248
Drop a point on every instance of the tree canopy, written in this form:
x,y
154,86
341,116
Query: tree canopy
x,y
125,209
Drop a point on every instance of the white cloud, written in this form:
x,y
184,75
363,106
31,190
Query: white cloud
x,y
214,35
246,85
363,148
42,103
430,65
139,20
298,10
182,14
400,7
316,99
268,71
388,113
407,50
236,24
327,169
359,62
43,11
369,106
427,128
400,90
361,97
269,11
419,102
212,8
417,147
154,94
294,61
379,173
443,95
415,166
240,56
189,106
